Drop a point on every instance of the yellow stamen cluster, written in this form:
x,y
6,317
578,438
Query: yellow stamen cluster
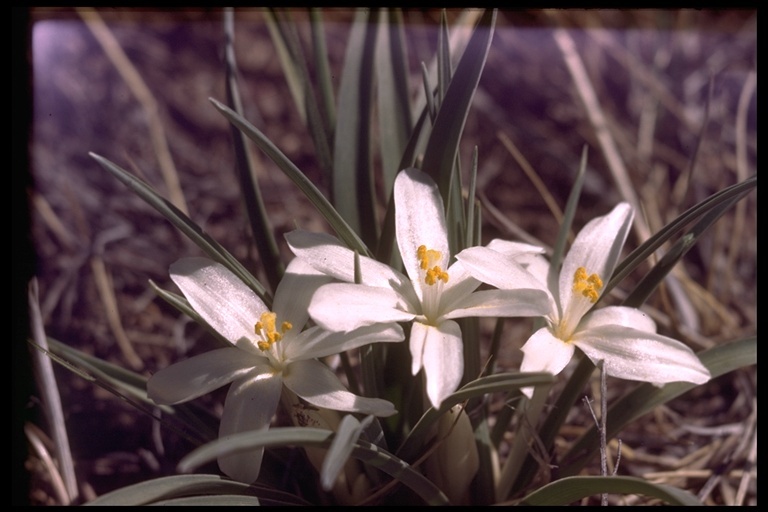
x,y
588,286
266,329
429,257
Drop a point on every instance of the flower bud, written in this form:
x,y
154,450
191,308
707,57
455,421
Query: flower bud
x,y
454,463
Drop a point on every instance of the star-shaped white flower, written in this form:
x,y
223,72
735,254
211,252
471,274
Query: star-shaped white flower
x,y
432,295
269,349
623,338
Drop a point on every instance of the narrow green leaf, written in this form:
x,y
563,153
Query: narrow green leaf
x,y
395,120
246,171
338,224
470,335
524,443
641,400
459,38
217,500
443,59
430,106
306,436
286,36
441,153
167,488
506,382
483,487
556,418
327,105
558,252
443,145
665,265
572,489
353,187
472,228
186,420
667,232
210,246
291,68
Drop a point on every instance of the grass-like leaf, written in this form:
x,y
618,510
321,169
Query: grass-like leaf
x,y
558,251
557,416
327,105
443,144
353,188
505,382
664,266
569,490
442,148
444,71
286,51
322,204
285,35
639,255
173,489
184,224
214,500
246,171
395,120
307,437
187,420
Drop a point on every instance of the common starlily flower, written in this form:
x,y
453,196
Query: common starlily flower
x,y
432,295
270,349
624,338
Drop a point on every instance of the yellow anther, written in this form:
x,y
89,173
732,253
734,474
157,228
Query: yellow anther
x,y
587,285
434,274
267,331
428,258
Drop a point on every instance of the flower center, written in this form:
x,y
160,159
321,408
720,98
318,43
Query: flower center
x,y
428,259
266,329
587,285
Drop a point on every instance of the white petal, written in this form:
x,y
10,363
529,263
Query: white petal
x,y
618,315
329,256
295,291
498,270
200,374
220,297
459,287
597,247
416,343
419,220
316,342
443,360
509,248
637,355
343,306
503,303
250,405
460,284
317,384
537,265
543,352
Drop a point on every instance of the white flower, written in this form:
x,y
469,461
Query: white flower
x,y
431,295
269,350
624,338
